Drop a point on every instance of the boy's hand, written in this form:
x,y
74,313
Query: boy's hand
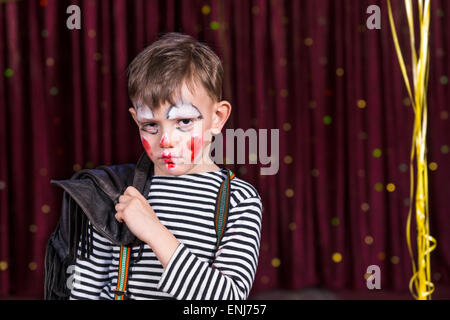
x,y
136,212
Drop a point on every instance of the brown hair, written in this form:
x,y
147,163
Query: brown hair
x,y
158,72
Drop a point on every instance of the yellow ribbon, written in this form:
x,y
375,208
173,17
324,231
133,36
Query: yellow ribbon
x,y
420,284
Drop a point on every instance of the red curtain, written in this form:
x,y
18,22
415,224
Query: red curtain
x,y
311,69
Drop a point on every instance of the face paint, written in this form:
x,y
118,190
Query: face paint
x,y
144,113
147,147
183,111
195,145
164,140
167,158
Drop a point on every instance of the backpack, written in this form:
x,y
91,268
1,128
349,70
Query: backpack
x,y
89,200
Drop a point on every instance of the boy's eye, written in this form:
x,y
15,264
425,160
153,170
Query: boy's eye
x,y
185,124
150,128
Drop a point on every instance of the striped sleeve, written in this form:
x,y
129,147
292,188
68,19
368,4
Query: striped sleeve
x,y
231,276
92,274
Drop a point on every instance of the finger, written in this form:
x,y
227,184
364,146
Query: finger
x,y
124,198
119,206
118,217
132,191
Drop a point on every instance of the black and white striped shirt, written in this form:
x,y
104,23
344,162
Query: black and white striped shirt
x,y
185,204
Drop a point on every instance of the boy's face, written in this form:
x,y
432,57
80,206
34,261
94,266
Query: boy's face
x,y
177,137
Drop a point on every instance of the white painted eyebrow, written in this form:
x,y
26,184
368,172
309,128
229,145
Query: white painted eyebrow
x,y
183,111
144,113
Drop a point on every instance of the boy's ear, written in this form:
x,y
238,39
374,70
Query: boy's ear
x,y
133,114
221,115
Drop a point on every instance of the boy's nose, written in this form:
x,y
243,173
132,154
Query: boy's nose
x,y
165,141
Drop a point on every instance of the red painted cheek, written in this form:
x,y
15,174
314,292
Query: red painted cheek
x,y
195,145
147,147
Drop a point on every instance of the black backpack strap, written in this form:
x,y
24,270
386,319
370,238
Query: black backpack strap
x,y
222,206
144,169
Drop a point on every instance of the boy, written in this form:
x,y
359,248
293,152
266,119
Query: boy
x,y
175,87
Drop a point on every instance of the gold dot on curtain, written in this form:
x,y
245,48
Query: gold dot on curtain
x,y
406,101
368,240
322,21
255,10
437,276
284,93
92,33
285,20
97,56
50,61
376,153
32,266
292,226
403,167
433,166
361,173
3,265
206,9
337,257
444,149
365,207
308,42
444,115
361,104
289,193
243,170
379,187
381,255
89,165
335,221
315,172
214,25
395,260
76,167
283,62
276,262
390,187
363,135
339,72
54,91
323,61
288,159
265,279
361,28
43,171
2,185
33,228
287,126
45,208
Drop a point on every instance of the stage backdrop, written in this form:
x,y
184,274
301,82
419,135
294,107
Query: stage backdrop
x,y
311,69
